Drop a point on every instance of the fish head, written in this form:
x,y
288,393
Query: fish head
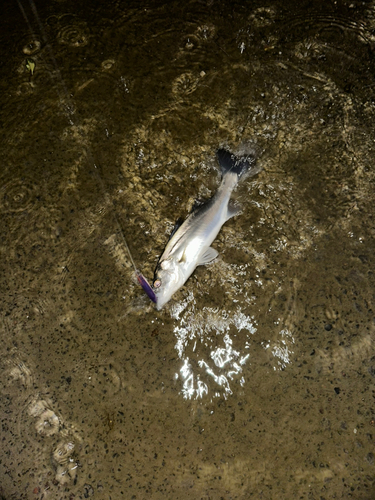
x,y
168,279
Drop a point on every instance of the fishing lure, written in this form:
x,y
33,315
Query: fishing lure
x,y
140,278
146,287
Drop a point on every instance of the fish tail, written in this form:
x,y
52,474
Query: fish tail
x,y
239,165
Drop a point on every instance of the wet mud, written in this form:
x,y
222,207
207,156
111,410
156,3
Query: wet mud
x,y
257,379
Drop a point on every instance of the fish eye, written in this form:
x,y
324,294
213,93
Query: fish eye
x,y
157,283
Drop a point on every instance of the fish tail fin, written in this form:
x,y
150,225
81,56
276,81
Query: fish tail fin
x,y
239,165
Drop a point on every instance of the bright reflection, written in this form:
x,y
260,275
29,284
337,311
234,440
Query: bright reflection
x,y
214,346
282,349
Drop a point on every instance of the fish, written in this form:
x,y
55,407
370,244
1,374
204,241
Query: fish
x,y
189,245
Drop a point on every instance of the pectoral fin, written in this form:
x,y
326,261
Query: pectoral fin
x,y
209,255
183,258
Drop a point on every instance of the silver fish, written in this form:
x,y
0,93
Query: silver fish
x,y
190,244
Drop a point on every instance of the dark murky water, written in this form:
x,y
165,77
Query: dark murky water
x,y
257,380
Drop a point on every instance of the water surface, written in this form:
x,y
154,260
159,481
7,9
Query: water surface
x,y
256,380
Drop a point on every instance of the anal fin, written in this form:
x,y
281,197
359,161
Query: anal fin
x,y
233,209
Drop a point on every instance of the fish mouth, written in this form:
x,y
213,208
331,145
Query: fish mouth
x,y
162,296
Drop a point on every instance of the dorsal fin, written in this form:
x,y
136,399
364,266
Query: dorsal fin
x,y
178,223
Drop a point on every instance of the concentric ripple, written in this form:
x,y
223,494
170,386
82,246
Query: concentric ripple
x,y
185,84
206,32
319,23
74,35
31,45
32,48
63,452
14,370
263,16
189,42
17,195
47,423
107,64
38,424
25,89
65,458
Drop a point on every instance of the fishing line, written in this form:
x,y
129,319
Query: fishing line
x,y
70,109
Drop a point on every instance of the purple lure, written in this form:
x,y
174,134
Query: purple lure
x,y
146,287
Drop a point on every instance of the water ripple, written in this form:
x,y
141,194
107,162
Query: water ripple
x,y
17,195
206,32
74,35
47,423
49,426
318,22
185,84
50,440
32,45
15,370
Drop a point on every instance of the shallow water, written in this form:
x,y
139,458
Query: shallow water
x,y
257,379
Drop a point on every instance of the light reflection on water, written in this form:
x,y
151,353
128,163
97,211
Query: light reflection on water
x,y
281,349
212,355
214,347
